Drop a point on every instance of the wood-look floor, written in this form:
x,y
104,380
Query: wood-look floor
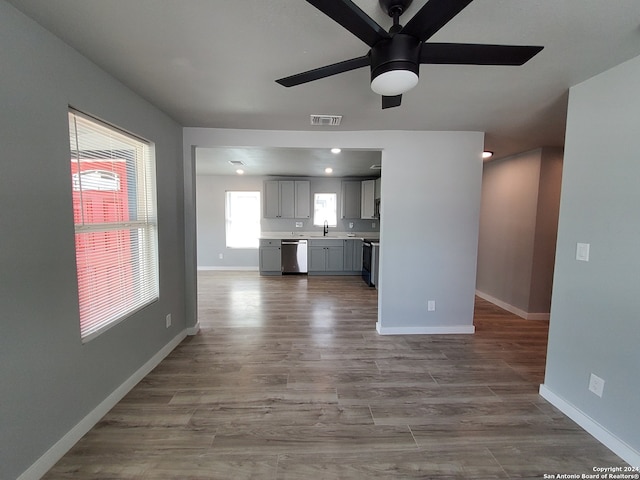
x,y
288,379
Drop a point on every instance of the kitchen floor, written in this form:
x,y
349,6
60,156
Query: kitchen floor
x,y
288,379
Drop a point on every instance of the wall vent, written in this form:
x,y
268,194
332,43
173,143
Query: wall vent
x,y
236,163
326,120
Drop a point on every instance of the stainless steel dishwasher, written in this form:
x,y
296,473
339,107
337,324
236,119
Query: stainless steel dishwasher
x,y
294,256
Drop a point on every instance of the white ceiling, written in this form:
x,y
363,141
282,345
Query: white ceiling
x,y
214,63
299,162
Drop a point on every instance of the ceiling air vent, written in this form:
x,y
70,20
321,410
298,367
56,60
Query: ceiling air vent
x,y
236,163
326,120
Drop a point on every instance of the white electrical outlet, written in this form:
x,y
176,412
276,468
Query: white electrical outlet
x,y
582,252
431,305
298,224
373,224
168,320
596,385
220,256
350,224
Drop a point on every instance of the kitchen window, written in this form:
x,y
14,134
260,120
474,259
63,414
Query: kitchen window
x,y
242,219
325,208
116,235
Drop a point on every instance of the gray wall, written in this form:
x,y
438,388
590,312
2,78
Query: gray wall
x,y
210,193
49,379
518,225
546,233
594,315
210,207
429,228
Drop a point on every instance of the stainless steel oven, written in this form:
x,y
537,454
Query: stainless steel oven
x,y
370,255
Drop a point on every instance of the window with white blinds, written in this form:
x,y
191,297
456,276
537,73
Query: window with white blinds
x,y
114,208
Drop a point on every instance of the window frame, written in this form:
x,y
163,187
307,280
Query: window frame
x,y
117,264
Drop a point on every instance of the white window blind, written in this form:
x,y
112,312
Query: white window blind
x,y
114,207
242,219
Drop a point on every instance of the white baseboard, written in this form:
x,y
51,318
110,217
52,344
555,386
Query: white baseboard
x,y
510,308
191,331
228,269
62,446
604,436
444,330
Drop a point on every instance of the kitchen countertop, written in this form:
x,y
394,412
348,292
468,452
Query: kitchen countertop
x,y
318,235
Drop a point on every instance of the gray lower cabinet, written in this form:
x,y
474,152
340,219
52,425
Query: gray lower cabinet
x,y
326,256
270,254
353,256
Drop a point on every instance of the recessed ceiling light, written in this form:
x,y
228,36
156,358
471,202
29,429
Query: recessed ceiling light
x,y
240,171
487,154
328,170
336,150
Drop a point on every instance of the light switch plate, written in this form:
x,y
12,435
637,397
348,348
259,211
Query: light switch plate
x,y
596,385
582,252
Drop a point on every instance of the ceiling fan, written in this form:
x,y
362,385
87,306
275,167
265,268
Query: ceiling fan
x,y
395,56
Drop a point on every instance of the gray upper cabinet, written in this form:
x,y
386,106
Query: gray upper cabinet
x,y
287,199
351,199
303,199
368,199
271,199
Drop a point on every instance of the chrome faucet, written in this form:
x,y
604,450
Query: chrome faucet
x,y
326,228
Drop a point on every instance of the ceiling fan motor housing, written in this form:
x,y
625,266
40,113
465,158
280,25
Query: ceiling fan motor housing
x,y
394,7
400,52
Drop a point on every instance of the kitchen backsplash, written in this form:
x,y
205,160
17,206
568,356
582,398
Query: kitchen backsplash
x,y
289,225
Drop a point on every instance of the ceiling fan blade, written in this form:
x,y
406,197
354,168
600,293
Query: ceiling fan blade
x,y
472,54
322,72
351,17
390,102
434,15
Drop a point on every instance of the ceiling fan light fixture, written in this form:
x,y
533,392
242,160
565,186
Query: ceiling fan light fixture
x,y
394,82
